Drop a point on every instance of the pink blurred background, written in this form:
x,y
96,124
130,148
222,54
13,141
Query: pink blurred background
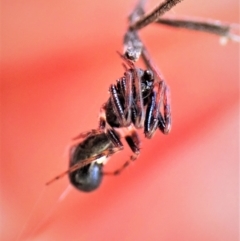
x,y
58,59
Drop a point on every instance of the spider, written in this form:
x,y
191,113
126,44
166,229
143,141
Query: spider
x,y
138,100
134,103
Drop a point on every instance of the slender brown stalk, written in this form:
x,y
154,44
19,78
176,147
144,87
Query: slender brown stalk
x,y
154,15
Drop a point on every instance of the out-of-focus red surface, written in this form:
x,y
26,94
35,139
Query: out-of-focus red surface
x,y
58,59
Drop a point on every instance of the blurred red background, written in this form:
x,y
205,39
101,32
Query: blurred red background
x,y
58,59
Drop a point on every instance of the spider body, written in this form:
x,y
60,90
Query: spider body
x,y
131,105
135,102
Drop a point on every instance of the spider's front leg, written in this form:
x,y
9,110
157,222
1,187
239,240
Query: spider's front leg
x,y
122,97
125,90
154,118
165,120
138,100
136,103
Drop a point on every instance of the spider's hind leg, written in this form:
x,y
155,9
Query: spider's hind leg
x,y
119,170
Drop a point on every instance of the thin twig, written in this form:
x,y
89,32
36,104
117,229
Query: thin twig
x,y
154,15
214,27
209,26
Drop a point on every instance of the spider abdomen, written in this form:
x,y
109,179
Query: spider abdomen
x,y
89,177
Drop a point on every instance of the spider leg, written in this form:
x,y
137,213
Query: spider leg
x,y
112,134
139,106
132,137
165,121
134,143
86,134
154,118
134,78
153,111
128,95
133,140
125,86
125,89
126,164
151,123
118,106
